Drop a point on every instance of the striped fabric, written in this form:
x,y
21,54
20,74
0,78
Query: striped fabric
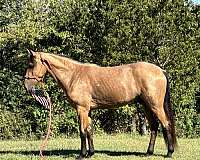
x,y
40,96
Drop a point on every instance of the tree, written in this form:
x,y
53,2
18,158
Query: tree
x,y
107,33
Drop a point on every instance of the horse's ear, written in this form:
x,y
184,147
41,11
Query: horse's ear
x,y
31,53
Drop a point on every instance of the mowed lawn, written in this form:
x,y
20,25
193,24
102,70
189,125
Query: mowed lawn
x,y
108,147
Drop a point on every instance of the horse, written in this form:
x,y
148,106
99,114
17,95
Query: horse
x,y
89,86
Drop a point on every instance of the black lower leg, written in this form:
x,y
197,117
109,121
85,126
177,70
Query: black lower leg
x,y
90,139
152,143
83,145
154,129
91,146
169,141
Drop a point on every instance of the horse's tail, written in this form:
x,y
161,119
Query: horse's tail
x,y
169,114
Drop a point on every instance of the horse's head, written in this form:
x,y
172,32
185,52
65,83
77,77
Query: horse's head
x,y
36,70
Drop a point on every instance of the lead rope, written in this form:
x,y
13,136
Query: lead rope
x,y
44,143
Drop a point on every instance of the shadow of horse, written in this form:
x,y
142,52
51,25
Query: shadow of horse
x,y
74,153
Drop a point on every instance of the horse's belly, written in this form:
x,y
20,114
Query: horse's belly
x,y
113,97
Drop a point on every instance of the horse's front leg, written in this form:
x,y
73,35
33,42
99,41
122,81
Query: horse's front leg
x,y
83,125
90,138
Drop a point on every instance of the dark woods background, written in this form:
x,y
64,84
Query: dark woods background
x,y
105,32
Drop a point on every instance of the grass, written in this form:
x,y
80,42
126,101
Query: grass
x,y
115,147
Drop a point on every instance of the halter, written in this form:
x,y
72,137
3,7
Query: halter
x,y
39,79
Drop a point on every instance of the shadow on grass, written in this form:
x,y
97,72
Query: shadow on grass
x,y
73,153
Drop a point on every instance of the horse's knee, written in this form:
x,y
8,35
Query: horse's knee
x,y
83,134
90,125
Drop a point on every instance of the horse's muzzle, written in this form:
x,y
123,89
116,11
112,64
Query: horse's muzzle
x,y
29,84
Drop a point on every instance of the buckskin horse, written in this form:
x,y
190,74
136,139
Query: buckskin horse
x,y
89,86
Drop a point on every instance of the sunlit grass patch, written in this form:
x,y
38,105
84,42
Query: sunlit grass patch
x,y
114,147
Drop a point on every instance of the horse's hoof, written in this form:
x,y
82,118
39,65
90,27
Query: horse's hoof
x,y
80,157
149,153
90,154
169,155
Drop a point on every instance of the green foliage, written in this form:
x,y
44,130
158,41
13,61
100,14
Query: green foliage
x,y
110,33
13,122
13,125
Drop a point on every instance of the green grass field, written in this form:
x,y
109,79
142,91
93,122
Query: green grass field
x,y
116,147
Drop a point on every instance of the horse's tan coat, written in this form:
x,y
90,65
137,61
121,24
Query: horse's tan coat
x,y
89,86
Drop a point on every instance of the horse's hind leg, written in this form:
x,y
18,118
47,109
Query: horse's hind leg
x,y
160,113
153,122
156,111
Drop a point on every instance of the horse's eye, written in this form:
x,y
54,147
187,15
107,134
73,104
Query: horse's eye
x,y
31,65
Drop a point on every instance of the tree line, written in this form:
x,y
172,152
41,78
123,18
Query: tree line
x,y
107,33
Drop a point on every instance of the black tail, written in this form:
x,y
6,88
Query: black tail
x,y
169,113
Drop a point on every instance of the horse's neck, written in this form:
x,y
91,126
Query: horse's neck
x,y
61,69
58,62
